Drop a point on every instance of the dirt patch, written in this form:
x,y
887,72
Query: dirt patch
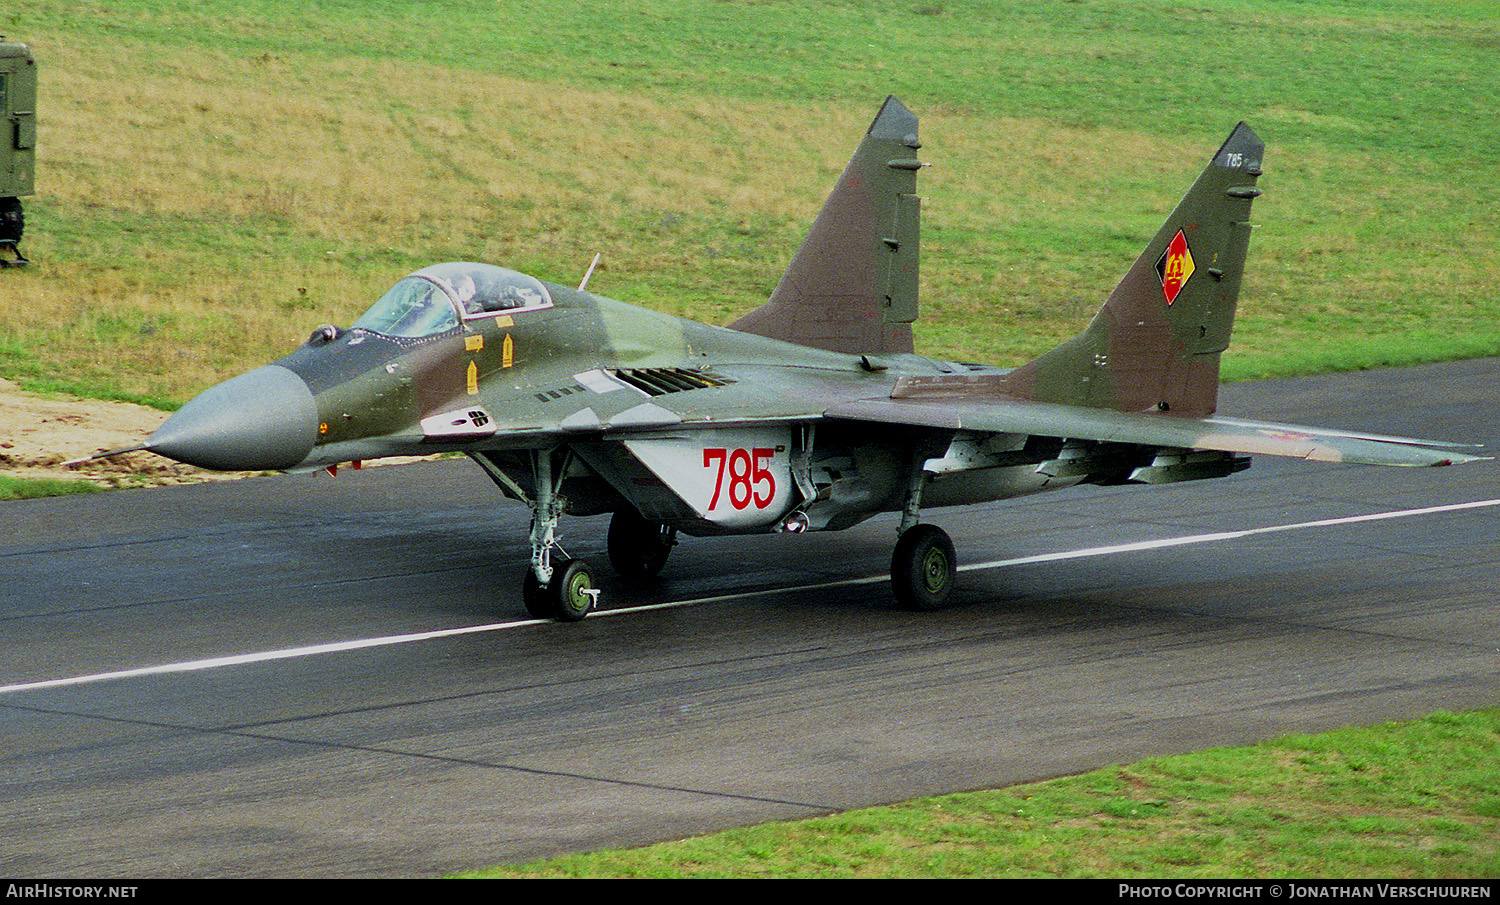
x,y
38,433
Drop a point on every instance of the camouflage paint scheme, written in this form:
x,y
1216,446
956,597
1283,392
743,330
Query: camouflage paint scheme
x,y
810,413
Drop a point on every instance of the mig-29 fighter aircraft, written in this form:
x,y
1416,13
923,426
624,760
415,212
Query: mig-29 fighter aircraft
x,y
811,413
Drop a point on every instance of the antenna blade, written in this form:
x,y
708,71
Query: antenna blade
x,y
590,270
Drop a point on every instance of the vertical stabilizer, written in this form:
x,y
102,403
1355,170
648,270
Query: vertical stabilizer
x,y
853,285
1155,344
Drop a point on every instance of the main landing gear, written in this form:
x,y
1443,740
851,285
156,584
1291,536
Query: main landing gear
x,y
638,546
924,566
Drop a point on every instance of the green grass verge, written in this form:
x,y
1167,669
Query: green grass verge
x,y
34,488
1404,800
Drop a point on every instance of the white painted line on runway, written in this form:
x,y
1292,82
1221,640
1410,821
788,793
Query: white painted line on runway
x,y
264,656
1227,535
343,646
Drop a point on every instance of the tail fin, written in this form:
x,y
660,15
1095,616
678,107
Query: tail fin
x,y
853,285
1155,344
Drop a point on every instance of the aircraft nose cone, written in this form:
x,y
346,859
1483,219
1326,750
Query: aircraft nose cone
x,y
264,420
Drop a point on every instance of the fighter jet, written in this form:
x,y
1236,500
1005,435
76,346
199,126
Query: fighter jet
x,y
811,413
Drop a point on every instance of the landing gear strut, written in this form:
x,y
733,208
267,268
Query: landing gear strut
x,y
562,589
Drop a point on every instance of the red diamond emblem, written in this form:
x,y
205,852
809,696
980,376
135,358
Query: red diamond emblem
x,y
1175,266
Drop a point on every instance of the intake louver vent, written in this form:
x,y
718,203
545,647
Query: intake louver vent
x,y
657,381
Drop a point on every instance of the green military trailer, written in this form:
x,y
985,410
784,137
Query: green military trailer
x,y
17,144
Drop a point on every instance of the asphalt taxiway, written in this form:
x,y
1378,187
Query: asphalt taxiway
x,y
265,677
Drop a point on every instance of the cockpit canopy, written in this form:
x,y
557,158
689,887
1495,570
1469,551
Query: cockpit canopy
x,y
434,299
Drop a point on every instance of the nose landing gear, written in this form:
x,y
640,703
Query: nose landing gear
x,y
560,588
568,596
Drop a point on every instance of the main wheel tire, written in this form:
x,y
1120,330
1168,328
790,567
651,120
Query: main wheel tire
x,y
923,568
568,592
638,546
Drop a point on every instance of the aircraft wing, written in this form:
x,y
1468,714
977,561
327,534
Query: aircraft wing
x,y
964,404
996,415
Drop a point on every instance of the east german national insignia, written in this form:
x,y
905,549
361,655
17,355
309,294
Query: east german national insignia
x,y
1175,266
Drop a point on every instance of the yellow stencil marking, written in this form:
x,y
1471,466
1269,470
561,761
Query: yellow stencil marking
x,y
473,379
507,352
473,343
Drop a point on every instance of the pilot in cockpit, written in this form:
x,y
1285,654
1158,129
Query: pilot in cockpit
x,y
431,300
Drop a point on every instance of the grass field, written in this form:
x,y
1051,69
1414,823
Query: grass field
x,y
215,178
1404,800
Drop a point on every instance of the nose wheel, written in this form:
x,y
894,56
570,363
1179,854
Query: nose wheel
x,y
567,597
